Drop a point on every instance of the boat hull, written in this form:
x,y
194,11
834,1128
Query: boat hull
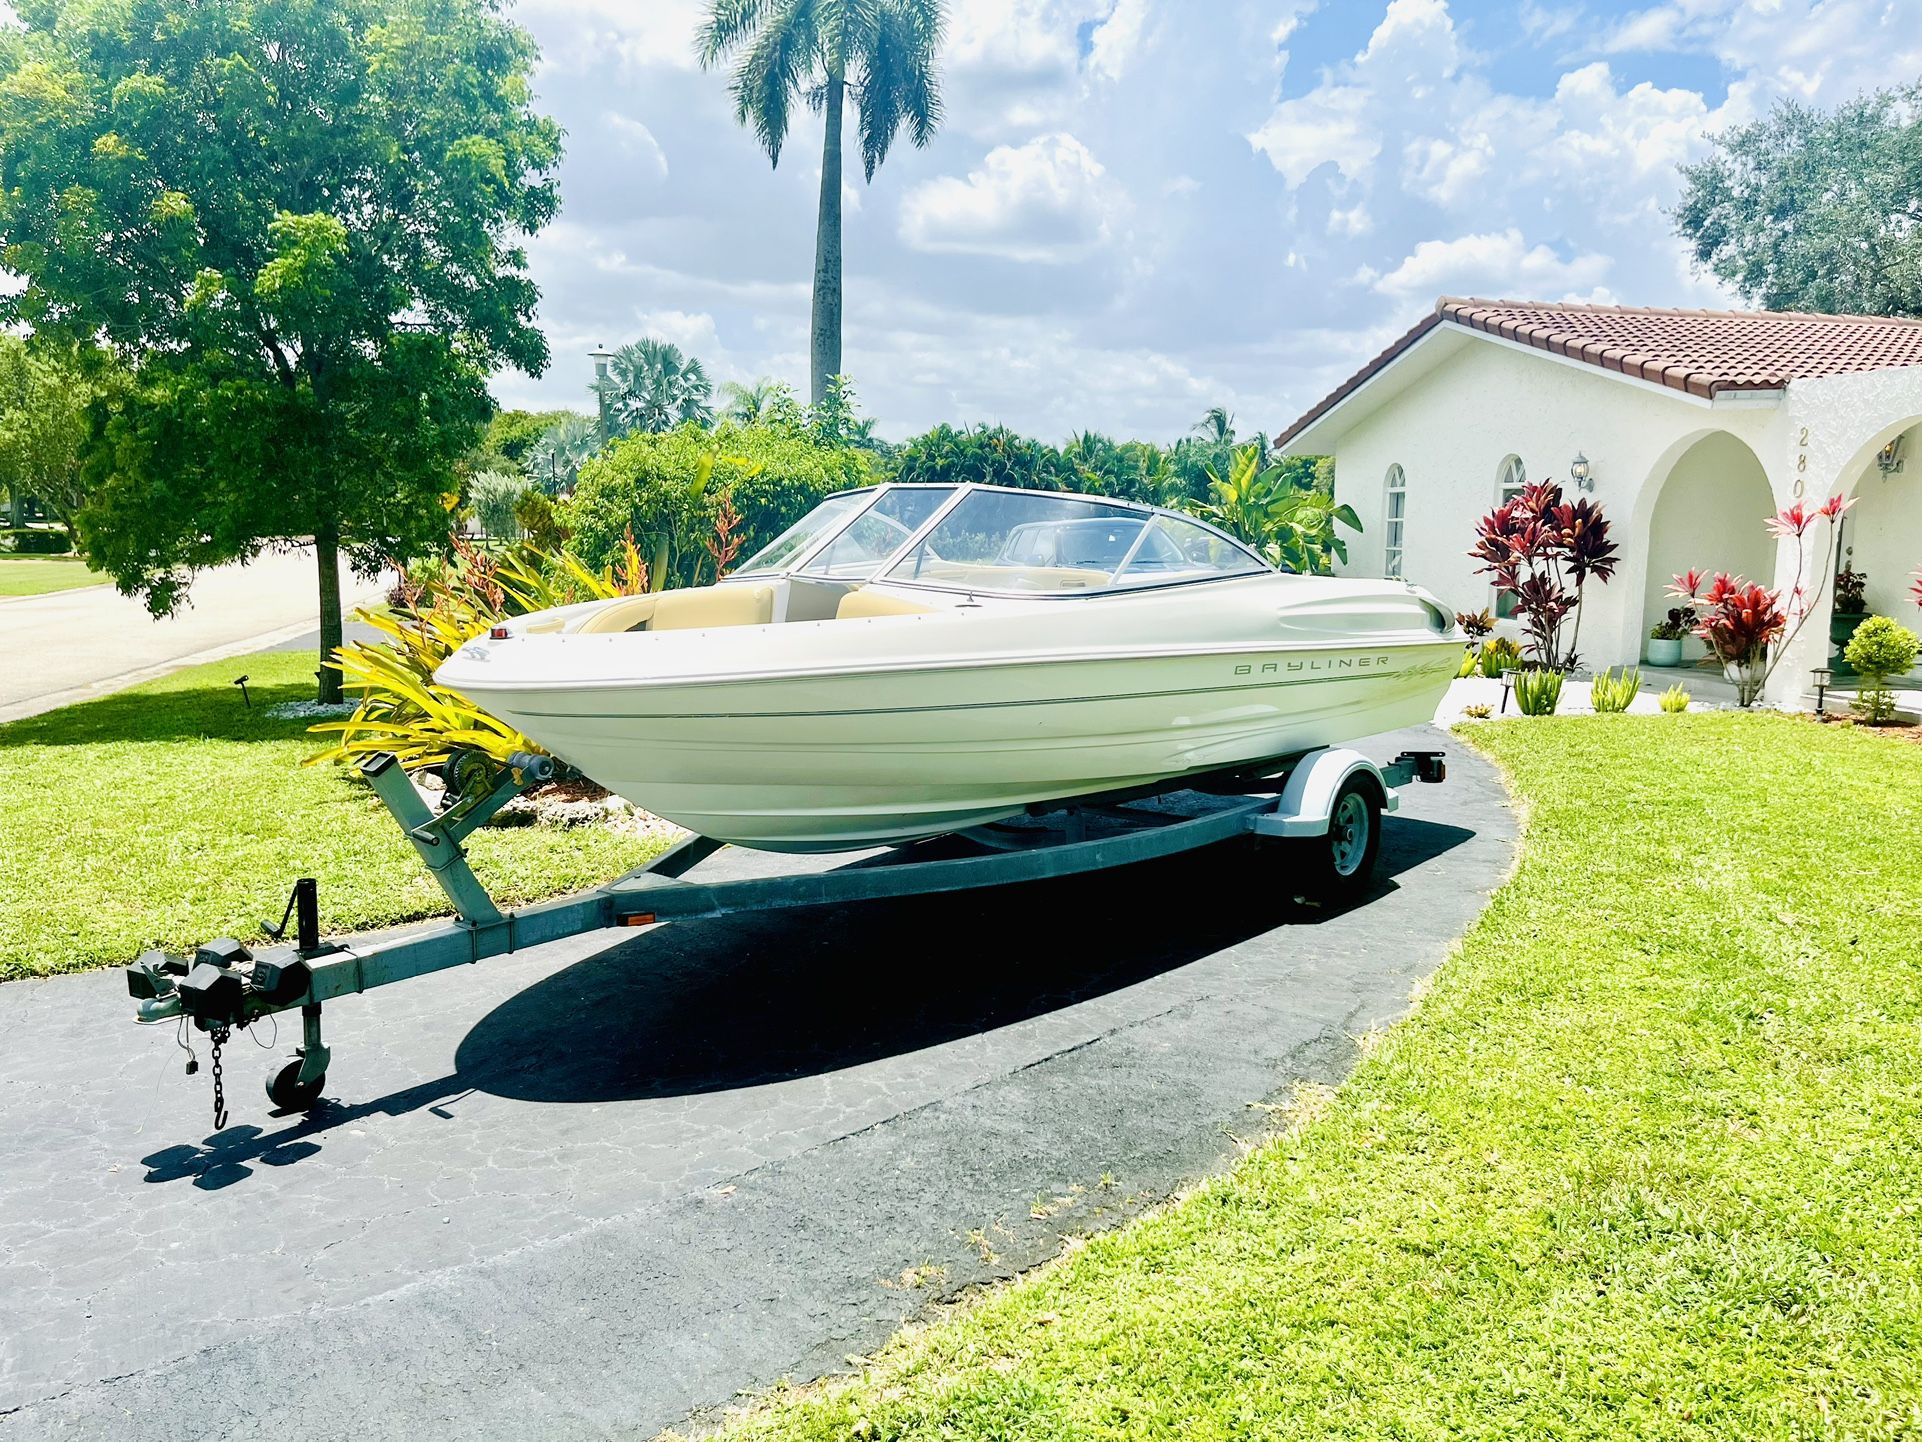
x,y
827,759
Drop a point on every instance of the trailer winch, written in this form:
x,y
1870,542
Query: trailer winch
x,y
1326,804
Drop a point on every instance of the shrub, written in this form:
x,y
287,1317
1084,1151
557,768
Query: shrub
x,y
1498,655
1879,649
657,487
36,541
1543,551
1471,663
1851,590
1480,711
1610,693
495,499
1538,692
1476,624
1675,700
540,523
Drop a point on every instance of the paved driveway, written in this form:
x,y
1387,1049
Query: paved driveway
x,y
71,645
589,1190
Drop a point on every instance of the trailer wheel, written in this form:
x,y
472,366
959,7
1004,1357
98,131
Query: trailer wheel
x,y
289,1094
1340,866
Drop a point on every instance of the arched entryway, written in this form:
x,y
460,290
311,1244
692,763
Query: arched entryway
x,y
1882,533
1709,516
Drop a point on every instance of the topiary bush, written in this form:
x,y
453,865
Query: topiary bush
x,y
1879,649
652,485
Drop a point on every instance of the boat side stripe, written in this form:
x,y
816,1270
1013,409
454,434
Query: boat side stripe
x,y
977,705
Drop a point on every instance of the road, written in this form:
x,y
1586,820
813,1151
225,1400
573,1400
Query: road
x,y
593,1189
68,646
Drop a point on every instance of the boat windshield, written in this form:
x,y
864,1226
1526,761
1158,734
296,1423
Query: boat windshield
x,y
1040,542
805,534
878,532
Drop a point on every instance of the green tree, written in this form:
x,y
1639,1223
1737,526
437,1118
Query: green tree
x,y
494,497
656,487
990,455
820,51
750,401
511,435
654,387
1292,527
1217,427
1815,210
43,422
300,223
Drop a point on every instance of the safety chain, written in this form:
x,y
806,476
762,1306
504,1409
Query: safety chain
x,y
218,1034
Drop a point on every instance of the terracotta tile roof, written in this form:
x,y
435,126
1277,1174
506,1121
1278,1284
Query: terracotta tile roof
x,y
1699,352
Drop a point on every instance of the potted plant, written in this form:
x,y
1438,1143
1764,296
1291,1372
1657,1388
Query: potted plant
x,y
1850,610
1665,636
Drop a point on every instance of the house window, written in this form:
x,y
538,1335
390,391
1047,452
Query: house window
x,y
1396,510
1510,477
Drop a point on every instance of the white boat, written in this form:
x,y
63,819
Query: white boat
x,y
907,661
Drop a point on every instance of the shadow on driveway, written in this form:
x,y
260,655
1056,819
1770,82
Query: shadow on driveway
x,y
724,1004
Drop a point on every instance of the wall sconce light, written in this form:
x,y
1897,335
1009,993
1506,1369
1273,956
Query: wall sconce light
x,y
1889,459
1581,472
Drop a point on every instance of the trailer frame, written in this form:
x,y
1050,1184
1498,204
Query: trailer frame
x,y
1331,796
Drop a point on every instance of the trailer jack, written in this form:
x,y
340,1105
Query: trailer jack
x,y
1326,805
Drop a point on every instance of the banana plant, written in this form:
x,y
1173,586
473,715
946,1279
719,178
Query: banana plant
x,y
1291,527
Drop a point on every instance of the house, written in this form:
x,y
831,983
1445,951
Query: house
x,y
1690,427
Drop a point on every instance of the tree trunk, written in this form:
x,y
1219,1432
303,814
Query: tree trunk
x,y
825,352
327,556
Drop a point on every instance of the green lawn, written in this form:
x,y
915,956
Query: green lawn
x,y
1646,1161
37,575
169,813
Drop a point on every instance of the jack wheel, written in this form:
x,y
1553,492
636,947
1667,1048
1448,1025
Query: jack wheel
x,y
289,1093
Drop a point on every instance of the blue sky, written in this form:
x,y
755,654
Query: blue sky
x,y
1141,208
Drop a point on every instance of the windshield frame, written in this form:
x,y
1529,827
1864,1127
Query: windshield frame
x,y
884,576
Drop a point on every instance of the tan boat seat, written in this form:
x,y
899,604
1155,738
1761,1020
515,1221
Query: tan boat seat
x,y
864,603
690,610
707,606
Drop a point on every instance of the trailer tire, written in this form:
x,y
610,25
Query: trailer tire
x,y
1339,867
289,1094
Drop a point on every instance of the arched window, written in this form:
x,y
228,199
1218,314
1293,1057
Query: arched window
x,y
1396,510
1510,476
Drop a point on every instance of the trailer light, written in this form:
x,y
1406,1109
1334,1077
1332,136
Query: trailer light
x,y
223,951
639,918
213,993
499,633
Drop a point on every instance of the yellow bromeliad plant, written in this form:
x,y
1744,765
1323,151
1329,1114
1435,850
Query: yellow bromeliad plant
x,y
401,710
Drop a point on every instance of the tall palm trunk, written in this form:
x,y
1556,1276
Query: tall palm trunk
x,y
825,350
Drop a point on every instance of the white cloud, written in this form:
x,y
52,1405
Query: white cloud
x,y
1118,39
1049,201
638,141
1352,222
1332,126
1498,264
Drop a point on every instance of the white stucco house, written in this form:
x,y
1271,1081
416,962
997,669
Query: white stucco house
x,y
1696,426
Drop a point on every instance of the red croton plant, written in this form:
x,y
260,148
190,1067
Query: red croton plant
x,y
1749,628
1543,551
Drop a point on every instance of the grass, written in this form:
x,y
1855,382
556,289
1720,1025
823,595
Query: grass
x,y
1643,1161
37,575
169,813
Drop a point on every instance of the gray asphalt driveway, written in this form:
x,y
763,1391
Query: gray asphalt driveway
x,y
590,1190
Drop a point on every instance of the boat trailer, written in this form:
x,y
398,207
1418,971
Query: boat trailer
x,y
1327,802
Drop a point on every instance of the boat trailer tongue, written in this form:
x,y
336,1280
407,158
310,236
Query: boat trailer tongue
x,y
1325,804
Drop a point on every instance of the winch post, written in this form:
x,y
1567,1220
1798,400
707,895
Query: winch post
x,y
438,838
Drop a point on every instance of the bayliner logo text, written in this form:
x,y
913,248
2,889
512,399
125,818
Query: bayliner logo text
x,y
1312,666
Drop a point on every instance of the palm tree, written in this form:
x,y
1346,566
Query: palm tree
x,y
653,387
1217,427
554,461
751,401
881,50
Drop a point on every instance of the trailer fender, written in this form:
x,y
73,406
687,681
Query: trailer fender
x,y
1308,800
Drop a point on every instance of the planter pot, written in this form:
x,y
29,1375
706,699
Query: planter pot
x,y
1665,652
1842,626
